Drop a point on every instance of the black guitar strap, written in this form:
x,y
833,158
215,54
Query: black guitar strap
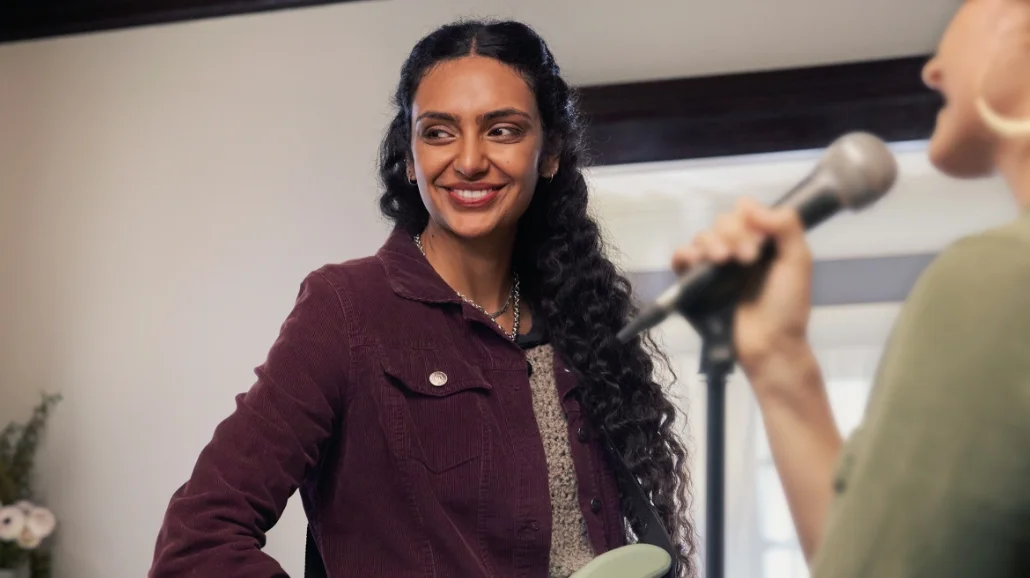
x,y
652,530
314,567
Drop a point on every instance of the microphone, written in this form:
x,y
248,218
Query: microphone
x,y
856,171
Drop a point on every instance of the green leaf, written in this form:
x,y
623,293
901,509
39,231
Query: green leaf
x,y
41,563
18,445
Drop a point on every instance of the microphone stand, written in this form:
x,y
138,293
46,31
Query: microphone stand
x,y
717,361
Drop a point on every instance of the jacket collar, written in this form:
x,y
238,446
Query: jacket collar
x,y
409,273
411,276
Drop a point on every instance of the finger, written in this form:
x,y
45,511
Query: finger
x,y
784,226
729,229
712,247
684,258
743,239
782,222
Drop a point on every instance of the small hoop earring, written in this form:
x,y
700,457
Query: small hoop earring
x,y
412,181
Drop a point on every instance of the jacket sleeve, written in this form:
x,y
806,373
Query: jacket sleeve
x,y
216,522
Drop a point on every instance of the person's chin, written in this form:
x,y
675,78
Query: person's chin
x,y
960,158
473,226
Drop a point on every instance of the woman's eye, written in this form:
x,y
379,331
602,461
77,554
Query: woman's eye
x,y
505,132
435,134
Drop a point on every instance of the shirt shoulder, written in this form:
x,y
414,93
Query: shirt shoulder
x,y
985,276
364,268
355,281
933,482
965,328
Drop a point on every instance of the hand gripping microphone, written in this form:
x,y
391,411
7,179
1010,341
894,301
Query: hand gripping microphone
x,y
856,170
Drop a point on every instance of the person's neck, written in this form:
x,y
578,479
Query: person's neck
x,y
1014,165
479,269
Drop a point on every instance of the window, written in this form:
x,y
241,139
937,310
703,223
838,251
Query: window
x,y
760,536
780,551
648,210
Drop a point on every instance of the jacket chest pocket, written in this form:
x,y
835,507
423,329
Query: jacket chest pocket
x,y
440,406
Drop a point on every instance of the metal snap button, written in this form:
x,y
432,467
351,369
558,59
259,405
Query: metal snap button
x,y
438,378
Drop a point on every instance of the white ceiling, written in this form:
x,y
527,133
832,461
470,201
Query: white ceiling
x,y
598,41
648,210
603,41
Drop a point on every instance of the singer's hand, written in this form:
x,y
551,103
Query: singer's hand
x,y
774,325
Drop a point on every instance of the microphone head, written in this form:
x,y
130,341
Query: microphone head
x,y
864,167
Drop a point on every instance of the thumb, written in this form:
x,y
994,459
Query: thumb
x,y
782,224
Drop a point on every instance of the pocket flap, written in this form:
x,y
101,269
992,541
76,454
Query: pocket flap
x,y
433,373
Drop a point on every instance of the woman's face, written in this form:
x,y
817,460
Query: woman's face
x,y
974,59
477,146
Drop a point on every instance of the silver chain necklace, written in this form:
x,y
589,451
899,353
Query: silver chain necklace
x,y
513,299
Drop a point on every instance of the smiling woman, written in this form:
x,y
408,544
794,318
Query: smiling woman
x,y
476,148
452,406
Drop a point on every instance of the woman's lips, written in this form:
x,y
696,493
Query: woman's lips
x,y
472,198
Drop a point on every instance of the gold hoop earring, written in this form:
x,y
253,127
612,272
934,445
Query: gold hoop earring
x,y
1006,127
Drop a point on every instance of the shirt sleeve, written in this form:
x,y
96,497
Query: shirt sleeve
x,y
216,522
936,483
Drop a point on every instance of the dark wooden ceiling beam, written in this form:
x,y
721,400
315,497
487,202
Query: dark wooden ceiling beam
x,y
759,112
32,19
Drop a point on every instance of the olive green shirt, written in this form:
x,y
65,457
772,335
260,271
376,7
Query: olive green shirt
x,y
936,482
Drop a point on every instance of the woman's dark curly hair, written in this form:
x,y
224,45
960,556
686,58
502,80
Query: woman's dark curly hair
x,y
574,290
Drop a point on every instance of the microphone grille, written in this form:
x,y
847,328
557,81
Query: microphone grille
x,y
864,167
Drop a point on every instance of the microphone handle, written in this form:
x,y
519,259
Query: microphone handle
x,y
709,288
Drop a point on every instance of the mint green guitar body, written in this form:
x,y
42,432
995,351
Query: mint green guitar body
x,y
633,561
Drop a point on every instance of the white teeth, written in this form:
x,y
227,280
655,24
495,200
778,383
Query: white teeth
x,y
473,195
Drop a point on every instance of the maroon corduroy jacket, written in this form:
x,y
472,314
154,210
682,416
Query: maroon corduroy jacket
x,y
405,418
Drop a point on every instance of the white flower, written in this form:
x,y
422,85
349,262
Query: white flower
x,y
12,523
27,540
40,522
25,506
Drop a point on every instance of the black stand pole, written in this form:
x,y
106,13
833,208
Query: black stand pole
x,y
717,361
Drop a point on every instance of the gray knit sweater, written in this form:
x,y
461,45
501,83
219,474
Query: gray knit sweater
x,y
570,546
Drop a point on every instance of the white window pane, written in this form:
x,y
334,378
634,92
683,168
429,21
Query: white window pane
x,y
778,563
848,399
800,566
773,513
762,450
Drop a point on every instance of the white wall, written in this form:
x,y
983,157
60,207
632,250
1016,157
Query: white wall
x,y
164,190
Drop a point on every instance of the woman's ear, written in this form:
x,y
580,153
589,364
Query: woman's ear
x,y
549,167
409,169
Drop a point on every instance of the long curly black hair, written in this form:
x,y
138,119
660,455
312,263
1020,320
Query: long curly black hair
x,y
574,290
